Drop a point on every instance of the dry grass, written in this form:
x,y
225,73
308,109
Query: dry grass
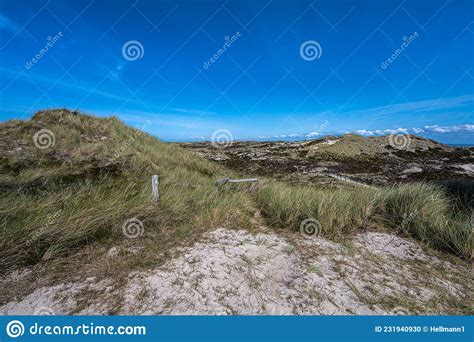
x,y
95,177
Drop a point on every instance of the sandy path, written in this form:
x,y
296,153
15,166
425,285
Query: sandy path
x,y
236,272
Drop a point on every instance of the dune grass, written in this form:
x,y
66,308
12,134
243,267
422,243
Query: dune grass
x,y
422,211
338,211
95,177
425,212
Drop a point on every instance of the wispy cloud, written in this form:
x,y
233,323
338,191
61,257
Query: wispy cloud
x,y
8,24
157,119
197,112
161,119
409,108
87,89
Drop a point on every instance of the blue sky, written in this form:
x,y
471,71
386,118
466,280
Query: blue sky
x,y
380,66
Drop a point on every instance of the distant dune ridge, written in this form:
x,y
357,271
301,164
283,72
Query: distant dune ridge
x,y
376,160
80,233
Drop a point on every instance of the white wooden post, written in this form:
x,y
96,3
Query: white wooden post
x,y
154,185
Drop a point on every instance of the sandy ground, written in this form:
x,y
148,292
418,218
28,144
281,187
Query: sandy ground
x,y
236,272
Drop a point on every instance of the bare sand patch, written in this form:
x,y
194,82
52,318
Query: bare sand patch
x,y
236,272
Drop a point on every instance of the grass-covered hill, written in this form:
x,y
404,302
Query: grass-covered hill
x,y
58,198
67,202
353,144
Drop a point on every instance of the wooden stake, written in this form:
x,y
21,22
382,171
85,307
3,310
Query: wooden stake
x,y
154,185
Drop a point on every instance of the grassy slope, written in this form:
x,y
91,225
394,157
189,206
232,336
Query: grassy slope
x,y
95,177
351,145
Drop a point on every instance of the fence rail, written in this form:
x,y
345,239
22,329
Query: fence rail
x,y
347,179
223,181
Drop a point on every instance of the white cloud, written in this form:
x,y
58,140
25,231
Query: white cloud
x,y
364,132
450,129
296,135
396,131
416,130
382,131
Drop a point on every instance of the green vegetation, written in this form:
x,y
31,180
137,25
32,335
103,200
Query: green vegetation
x,y
338,211
425,212
422,211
